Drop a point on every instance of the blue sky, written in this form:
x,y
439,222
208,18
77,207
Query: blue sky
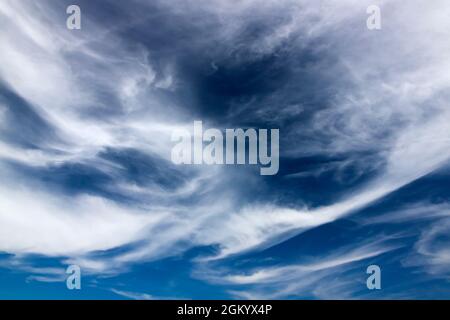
x,y
86,176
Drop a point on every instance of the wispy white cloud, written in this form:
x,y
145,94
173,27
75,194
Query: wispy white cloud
x,y
312,278
432,250
38,223
134,295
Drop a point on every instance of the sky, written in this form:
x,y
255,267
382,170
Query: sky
x,y
86,176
